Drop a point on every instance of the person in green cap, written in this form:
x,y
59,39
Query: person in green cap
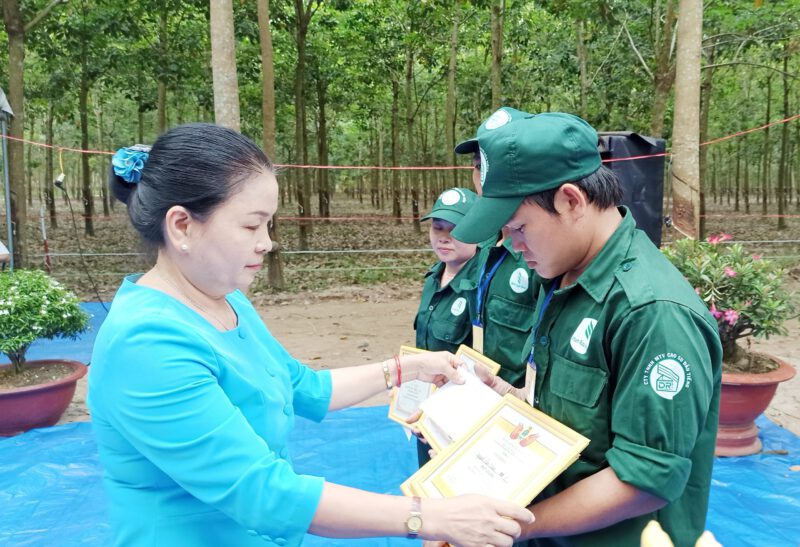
x,y
442,322
622,349
503,304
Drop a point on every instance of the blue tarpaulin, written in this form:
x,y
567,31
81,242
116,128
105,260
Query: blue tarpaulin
x,y
51,482
51,489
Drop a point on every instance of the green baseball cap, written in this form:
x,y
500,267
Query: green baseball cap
x,y
524,154
501,116
452,205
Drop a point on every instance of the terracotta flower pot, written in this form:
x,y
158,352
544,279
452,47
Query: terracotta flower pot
x,y
40,405
744,397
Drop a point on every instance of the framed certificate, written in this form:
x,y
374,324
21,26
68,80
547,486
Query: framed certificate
x,y
451,410
436,437
406,399
469,356
512,453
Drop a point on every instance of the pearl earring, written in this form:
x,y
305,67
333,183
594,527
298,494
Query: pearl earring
x,y
184,247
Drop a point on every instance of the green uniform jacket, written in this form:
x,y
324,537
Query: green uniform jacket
x,y
506,310
630,357
443,322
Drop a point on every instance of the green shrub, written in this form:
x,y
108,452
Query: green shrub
x,y
32,306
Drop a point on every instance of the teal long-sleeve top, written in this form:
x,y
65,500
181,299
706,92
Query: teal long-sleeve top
x,y
192,425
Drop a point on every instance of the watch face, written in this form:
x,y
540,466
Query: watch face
x,y
414,523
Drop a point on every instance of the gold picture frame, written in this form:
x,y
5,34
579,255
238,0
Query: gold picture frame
x,y
471,356
513,453
405,399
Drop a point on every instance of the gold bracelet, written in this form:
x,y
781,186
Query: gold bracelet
x,y
386,376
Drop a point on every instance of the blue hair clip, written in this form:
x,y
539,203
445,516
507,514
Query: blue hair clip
x,y
128,162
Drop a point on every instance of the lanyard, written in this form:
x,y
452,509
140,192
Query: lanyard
x,y
535,330
484,284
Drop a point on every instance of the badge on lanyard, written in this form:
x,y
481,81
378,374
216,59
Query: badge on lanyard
x,y
530,373
483,284
477,338
530,383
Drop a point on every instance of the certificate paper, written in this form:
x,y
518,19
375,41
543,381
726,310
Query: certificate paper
x,y
408,398
512,454
454,409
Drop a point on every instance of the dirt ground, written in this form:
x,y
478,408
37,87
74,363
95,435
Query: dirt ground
x,y
345,327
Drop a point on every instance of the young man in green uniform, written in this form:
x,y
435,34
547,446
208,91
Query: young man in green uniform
x,y
503,305
622,348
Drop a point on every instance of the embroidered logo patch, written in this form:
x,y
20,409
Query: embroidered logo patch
x,y
451,197
458,306
519,281
667,374
498,119
580,338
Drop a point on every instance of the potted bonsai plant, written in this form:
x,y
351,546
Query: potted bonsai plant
x,y
35,393
746,296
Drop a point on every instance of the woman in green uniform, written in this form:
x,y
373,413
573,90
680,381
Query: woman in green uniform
x,y
443,320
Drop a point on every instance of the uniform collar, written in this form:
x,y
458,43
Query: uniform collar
x,y
491,243
464,279
598,277
507,244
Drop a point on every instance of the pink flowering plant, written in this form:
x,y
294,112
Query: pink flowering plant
x,y
743,291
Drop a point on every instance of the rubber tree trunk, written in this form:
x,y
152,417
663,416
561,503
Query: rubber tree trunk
x,y
396,209
86,175
783,164
686,124
15,31
223,65
498,7
450,104
411,147
302,18
664,74
274,259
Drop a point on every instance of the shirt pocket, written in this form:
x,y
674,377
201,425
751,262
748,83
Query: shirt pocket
x,y
579,384
450,332
509,314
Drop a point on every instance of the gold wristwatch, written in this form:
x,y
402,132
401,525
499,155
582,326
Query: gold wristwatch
x,y
414,521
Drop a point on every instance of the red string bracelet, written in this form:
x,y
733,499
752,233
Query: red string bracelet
x,y
399,370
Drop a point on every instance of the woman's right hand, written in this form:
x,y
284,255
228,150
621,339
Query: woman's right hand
x,y
437,367
473,521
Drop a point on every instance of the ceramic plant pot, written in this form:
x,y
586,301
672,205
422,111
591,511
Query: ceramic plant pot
x,y
744,397
40,405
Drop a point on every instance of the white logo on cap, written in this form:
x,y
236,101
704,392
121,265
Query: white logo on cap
x,y
498,119
484,166
458,306
519,281
451,197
